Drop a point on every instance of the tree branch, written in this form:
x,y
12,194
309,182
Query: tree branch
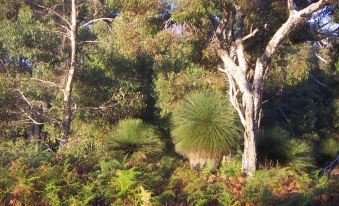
x,y
24,98
82,42
290,6
313,7
320,58
235,71
52,84
321,84
95,20
233,98
250,35
55,13
241,55
29,117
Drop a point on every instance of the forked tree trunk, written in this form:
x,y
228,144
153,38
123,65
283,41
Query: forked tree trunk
x,y
67,118
246,90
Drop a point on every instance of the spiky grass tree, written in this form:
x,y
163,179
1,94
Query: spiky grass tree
x,y
275,144
205,127
132,135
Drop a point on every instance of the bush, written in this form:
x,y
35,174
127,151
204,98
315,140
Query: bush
x,y
205,127
133,135
329,148
276,145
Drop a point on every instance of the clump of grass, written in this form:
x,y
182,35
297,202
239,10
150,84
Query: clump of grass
x,y
275,144
133,135
205,127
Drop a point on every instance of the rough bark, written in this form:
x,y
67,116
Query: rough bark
x,y
67,118
245,93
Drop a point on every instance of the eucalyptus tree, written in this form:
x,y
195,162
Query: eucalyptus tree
x,y
246,63
71,23
49,35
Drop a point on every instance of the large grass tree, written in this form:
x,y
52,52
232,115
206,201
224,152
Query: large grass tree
x,y
205,127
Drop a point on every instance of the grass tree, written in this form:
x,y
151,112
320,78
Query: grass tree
x,y
132,135
205,127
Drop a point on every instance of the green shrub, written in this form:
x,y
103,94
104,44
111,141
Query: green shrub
x,y
260,189
231,167
329,148
133,135
299,155
205,127
275,144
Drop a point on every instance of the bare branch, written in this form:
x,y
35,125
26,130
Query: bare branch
x,y
29,117
235,71
320,58
250,35
24,98
241,55
313,7
320,83
293,20
290,5
95,20
55,13
49,83
82,42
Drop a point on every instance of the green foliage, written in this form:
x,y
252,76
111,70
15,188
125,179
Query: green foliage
x,y
275,144
205,126
329,148
172,88
299,155
265,186
124,181
133,135
231,167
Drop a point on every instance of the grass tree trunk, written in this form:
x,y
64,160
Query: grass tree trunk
x,y
67,118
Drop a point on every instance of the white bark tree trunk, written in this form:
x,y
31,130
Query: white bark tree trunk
x,y
67,119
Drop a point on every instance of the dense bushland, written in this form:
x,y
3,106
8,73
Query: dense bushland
x,y
151,118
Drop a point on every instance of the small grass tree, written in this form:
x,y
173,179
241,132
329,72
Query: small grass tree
x,y
204,129
134,135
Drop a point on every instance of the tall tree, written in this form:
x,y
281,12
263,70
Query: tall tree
x,y
246,86
72,30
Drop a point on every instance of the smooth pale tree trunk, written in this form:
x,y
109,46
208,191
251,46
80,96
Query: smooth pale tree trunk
x,y
249,157
67,118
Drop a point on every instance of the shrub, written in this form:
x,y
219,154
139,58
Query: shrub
x,y
133,135
299,155
205,127
231,167
329,148
275,144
